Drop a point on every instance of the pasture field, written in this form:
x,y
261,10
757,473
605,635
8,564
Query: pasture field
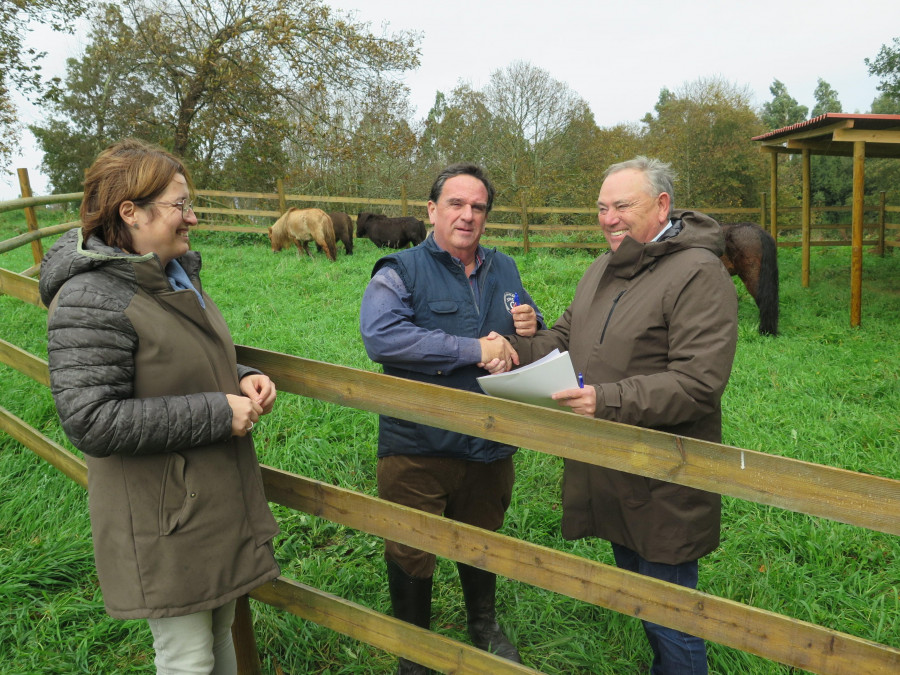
x,y
821,392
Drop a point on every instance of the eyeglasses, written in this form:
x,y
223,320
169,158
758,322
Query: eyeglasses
x,y
185,206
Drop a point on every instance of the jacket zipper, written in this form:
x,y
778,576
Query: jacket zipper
x,y
482,274
609,316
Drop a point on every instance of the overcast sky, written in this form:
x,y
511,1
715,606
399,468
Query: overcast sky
x,y
615,55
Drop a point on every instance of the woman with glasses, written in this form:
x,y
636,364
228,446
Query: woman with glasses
x,y
145,380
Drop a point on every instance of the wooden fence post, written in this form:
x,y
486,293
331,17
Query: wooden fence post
x,y
805,217
773,207
404,206
762,210
524,201
856,236
37,249
282,202
244,639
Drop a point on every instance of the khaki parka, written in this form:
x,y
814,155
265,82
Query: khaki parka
x,y
653,327
139,373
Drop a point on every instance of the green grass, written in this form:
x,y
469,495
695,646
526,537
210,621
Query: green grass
x,y
822,392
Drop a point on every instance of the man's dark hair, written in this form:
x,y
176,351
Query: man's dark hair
x,y
462,169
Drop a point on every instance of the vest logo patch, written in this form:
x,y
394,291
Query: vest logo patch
x,y
509,299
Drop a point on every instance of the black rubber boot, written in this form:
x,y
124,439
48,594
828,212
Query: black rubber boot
x,y
479,589
411,602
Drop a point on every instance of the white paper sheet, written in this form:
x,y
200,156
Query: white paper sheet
x,y
535,382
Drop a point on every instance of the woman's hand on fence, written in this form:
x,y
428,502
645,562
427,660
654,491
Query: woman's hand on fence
x,y
582,401
525,320
259,388
245,413
497,355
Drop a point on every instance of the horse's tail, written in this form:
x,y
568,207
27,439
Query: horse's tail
x,y
767,292
324,232
330,239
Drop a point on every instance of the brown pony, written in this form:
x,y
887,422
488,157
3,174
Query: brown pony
x,y
751,254
343,230
300,226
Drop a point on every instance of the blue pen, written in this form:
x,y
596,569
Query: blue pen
x,y
581,380
516,300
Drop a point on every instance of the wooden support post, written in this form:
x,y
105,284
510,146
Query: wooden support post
x,y
879,249
282,201
773,207
244,638
805,218
762,210
37,249
859,180
524,202
404,205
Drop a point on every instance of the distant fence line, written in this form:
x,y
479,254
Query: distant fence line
x,y
858,499
211,208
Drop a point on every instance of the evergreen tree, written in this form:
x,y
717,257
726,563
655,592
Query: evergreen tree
x,y
826,99
783,110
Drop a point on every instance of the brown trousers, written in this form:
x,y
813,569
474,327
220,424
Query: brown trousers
x,y
475,493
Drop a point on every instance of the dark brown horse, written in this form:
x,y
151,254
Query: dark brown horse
x,y
751,254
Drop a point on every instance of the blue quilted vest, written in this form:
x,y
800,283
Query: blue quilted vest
x,y
443,299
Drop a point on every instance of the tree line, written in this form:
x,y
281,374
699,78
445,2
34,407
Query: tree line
x,y
249,92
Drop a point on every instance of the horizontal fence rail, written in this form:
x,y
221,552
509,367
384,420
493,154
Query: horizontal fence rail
x,y
845,496
28,237
26,202
853,498
392,635
743,627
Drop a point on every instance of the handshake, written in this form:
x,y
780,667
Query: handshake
x,y
497,355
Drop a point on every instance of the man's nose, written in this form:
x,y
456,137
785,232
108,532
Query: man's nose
x,y
608,218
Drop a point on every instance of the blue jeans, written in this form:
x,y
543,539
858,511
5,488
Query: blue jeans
x,y
674,652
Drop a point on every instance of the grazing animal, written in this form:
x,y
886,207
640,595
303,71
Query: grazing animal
x,y
390,232
301,226
343,230
751,254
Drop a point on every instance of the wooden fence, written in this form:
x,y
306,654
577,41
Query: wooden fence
x,y
859,499
214,206
588,235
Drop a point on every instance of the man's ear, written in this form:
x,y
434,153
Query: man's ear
x,y
664,203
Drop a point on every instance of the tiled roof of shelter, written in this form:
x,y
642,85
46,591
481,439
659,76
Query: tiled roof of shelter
x,y
835,134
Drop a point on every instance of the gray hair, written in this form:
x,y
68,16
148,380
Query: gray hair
x,y
659,175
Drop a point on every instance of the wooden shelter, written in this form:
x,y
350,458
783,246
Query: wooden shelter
x,y
844,134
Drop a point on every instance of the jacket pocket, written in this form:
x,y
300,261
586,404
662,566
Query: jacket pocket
x,y
637,491
443,306
173,494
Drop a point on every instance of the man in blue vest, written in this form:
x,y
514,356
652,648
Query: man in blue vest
x,y
435,313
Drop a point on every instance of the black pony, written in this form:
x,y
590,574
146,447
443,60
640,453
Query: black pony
x,y
390,232
751,254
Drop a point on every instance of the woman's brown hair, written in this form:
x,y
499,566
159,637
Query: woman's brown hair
x,y
130,170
